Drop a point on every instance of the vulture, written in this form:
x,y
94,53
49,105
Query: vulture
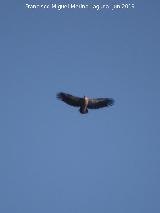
x,y
85,103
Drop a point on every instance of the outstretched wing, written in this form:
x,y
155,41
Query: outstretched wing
x,y
70,99
100,102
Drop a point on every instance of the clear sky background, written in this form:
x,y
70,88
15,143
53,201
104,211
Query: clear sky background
x,y
52,158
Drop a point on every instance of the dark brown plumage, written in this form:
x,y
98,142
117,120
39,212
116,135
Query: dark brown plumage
x,y
85,103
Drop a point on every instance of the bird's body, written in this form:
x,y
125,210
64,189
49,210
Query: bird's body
x,y
83,109
85,103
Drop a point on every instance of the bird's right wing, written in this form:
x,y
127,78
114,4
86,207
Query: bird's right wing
x,y
100,102
70,99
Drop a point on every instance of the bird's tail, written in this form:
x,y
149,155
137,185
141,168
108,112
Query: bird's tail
x,y
82,111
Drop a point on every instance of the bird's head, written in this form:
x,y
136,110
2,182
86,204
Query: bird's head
x,y
86,99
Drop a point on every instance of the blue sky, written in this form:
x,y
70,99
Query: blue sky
x,y
52,158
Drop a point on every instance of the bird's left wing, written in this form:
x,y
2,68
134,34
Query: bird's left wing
x,y
70,99
100,102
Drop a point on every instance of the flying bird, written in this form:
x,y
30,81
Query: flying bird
x,y
85,103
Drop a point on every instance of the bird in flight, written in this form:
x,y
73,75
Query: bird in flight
x,y
85,103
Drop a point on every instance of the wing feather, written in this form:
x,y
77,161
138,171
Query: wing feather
x,y
100,102
70,99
